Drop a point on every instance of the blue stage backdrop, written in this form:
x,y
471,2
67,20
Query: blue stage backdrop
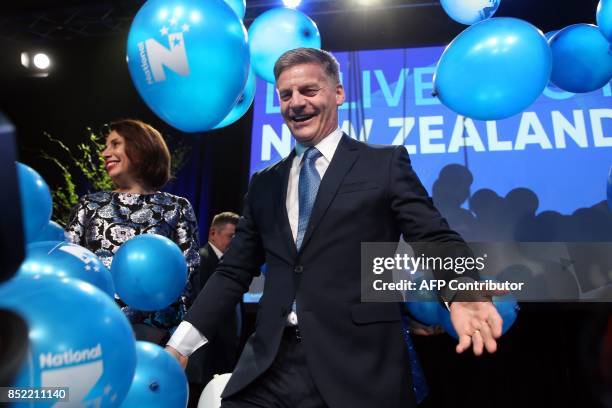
x,y
560,147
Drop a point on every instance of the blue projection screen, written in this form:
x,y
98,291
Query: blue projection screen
x,y
560,147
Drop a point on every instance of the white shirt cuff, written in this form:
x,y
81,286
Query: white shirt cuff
x,y
186,339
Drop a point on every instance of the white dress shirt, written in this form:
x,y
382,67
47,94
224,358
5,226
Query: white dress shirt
x,y
187,339
216,250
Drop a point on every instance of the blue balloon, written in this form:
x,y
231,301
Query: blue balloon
x,y
149,272
424,305
493,69
78,337
582,60
189,60
36,202
604,18
159,380
243,104
550,34
239,7
470,11
550,85
51,232
67,260
277,31
506,306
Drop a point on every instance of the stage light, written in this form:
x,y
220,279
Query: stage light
x,y
367,2
42,61
25,59
292,3
36,63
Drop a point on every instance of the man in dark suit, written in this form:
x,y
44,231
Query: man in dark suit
x,y
316,344
221,356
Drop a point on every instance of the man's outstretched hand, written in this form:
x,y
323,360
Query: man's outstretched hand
x,y
181,358
478,324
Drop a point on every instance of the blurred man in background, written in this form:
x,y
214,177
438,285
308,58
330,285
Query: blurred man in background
x,y
221,357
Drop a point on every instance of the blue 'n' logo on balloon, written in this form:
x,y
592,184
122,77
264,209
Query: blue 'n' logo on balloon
x,y
155,56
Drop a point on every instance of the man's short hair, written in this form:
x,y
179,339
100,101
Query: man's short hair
x,y
220,220
146,149
300,56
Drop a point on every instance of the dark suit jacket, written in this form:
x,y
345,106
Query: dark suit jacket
x,y
355,351
221,354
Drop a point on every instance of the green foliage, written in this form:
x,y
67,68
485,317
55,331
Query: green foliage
x,y
91,163
179,153
87,161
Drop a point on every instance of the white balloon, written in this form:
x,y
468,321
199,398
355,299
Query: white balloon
x,y
470,11
211,395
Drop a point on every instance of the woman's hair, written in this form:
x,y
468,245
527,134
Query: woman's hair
x,y
147,150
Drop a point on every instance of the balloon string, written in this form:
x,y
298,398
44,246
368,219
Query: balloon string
x,y
59,244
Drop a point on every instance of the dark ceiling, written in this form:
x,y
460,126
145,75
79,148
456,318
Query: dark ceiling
x,y
67,19
53,20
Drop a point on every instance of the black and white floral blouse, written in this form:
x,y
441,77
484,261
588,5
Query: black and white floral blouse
x,y
102,221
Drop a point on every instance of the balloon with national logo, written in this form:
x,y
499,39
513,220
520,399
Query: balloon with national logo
x,y
64,259
469,11
159,380
604,18
243,104
493,69
189,60
149,272
78,337
582,59
277,31
36,202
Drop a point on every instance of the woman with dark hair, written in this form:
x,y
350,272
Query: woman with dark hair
x,y
138,162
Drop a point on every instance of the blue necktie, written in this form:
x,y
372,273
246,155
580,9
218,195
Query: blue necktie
x,y
308,185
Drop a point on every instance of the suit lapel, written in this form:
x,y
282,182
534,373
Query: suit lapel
x,y
345,156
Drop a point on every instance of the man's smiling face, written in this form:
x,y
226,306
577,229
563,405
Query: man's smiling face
x,y
309,102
